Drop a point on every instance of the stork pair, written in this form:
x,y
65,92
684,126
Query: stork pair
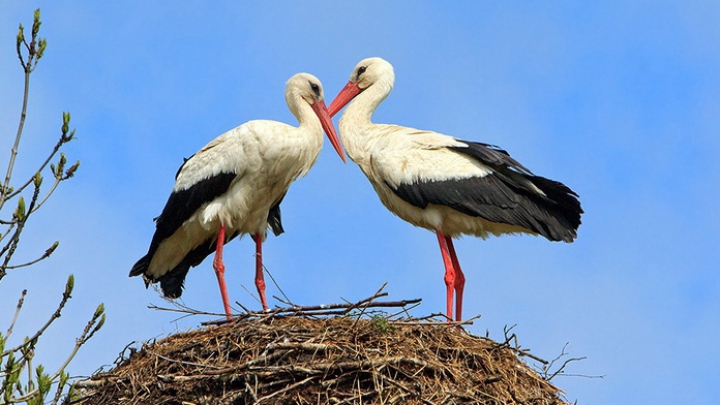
x,y
234,185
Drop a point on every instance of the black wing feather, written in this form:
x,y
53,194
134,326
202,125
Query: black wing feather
x,y
172,282
505,196
181,205
185,160
274,221
490,155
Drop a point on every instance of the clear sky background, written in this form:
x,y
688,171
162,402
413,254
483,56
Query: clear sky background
x,y
620,100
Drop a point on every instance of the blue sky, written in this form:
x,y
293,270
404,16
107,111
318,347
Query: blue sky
x,y
619,100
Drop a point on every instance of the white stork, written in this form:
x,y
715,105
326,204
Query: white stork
x,y
447,185
234,186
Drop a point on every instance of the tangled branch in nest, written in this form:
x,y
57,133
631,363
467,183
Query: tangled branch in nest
x,y
357,309
332,360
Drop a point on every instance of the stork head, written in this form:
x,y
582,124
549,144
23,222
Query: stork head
x,y
304,87
370,72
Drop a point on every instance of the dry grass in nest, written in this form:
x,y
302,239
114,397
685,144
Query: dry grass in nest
x,y
310,360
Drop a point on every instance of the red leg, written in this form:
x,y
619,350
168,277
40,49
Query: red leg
x,y
259,277
220,270
459,279
449,271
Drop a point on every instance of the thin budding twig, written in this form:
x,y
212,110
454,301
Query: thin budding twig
x,y
16,144
53,317
9,249
44,256
20,303
63,140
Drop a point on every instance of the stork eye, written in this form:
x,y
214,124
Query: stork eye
x,y
315,88
361,70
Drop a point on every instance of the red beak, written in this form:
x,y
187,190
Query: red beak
x,y
322,112
348,92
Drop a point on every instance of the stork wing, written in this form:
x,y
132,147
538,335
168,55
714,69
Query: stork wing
x,y
477,180
199,180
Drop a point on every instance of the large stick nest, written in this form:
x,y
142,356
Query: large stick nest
x,y
309,360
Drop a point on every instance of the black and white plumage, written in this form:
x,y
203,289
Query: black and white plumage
x,y
447,185
234,186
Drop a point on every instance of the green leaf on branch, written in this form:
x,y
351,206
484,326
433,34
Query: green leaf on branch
x,y
66,122
42,44
69,285
44,383
20,36
21,381
19,213
71,171
37,180
36,22
58,170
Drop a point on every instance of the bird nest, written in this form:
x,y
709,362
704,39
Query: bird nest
x,y
301,358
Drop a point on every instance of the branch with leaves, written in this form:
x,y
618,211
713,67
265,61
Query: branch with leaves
x,y
14,368
28,196
20,380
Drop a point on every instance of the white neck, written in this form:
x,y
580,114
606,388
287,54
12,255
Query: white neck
x,y
309,122
356,119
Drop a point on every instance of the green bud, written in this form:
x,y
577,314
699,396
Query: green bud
x,y
70,285
39,370
99,310
20,211
58,171
66,122
71,394
71,171
37,180
44,383
101,322
52,248
64,376
42,43
20,35
36,23
10,367
28,348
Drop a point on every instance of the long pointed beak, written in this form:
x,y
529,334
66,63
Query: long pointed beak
x,y
348,92
322,112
